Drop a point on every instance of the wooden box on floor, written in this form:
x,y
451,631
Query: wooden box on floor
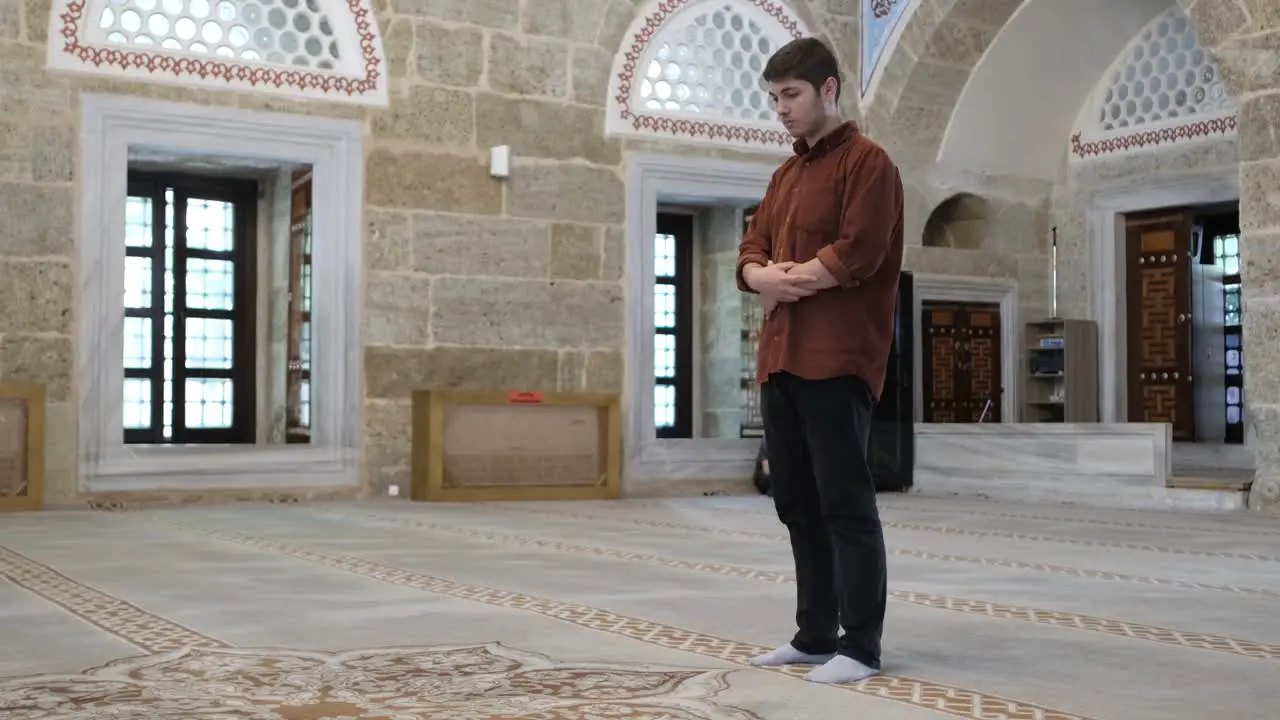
x,y
495,445
22,438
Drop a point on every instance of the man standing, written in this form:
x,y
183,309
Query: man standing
x,y
824,252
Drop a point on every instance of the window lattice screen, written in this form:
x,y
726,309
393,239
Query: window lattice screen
x,y
1165,75
285,32
708,61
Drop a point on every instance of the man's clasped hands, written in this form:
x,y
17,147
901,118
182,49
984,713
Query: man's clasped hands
x,y
787,281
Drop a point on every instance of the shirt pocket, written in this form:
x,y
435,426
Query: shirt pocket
x,y
817,210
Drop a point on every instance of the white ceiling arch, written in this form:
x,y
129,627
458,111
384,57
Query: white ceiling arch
x,y
1025,94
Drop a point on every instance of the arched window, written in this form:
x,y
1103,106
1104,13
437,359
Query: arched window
x,y
327,49
690,69
1163,89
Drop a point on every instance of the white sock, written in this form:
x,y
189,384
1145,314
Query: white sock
x,y
841,669
787,655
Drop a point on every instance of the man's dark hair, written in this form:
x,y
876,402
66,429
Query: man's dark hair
x,y
807,59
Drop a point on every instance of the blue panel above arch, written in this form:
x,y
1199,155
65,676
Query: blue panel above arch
x,y
879,18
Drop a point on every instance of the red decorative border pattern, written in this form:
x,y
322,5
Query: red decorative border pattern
x,y
217,70
702,129
1153,138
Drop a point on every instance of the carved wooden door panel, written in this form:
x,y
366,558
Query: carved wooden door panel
x,y
982,358
961,361
1158,265
941,389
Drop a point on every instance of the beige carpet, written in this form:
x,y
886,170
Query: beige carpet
x,y
624,610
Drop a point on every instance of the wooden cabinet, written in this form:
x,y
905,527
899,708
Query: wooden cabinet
x,y
1062,371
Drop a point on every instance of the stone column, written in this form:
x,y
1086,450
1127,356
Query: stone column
x,y
1244,38
273,314
1260,285
720,324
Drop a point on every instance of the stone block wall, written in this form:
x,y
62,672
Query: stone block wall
x,y
471,282
1085,180
480,283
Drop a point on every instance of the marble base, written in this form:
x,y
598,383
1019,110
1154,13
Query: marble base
x,y
1198,458
1104,465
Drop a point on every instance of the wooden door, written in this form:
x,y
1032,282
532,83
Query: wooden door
x,y
1158,269
961,361
981,361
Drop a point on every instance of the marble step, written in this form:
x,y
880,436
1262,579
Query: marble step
x,y
1226,482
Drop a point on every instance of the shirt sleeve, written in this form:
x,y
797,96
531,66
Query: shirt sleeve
x,y
873,207
757,241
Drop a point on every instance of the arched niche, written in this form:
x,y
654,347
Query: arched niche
x,y
961,222
321,49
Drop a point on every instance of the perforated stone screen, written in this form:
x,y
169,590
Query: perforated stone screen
x,y
693,68
318,48
1163,76
711,63
287,32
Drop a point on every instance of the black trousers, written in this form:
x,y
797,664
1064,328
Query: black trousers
x,y
817,432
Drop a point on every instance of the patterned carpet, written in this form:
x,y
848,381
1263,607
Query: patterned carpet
x,y
634,609
441,683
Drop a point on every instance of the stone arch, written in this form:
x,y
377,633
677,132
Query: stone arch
x,y
669,80
319,49
1005,123
941,41
923,73
961,222
944,40
881,23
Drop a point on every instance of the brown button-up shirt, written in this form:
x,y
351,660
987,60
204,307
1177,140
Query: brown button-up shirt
x,y
841,202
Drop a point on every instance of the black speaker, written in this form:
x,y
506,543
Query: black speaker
x,y
891,450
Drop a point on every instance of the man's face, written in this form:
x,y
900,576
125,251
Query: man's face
x,y
800,107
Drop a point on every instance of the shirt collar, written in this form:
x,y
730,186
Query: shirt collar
x,y
830,141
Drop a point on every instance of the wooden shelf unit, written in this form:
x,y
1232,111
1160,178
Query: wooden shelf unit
x,y
1062,371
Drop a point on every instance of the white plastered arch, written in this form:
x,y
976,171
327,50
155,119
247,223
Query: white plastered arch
x,y
1025,94
689,70
321,49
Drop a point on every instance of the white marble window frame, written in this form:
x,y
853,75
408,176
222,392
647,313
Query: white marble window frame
x,y
1107,266
654,180
111,126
